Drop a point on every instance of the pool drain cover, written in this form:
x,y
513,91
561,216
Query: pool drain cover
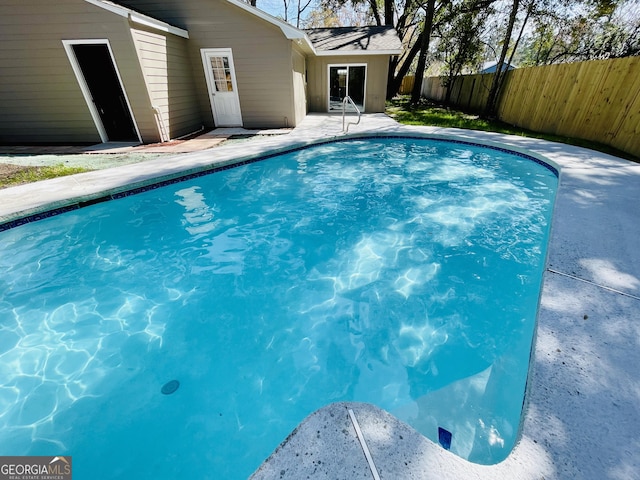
x,y
170,387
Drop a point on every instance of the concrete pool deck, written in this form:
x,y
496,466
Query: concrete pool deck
x,y
581,419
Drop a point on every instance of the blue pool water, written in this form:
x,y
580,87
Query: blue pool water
x,y
183,332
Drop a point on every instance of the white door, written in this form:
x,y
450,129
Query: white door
x,y
223,89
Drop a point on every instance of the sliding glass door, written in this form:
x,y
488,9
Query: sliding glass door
x,y
346,80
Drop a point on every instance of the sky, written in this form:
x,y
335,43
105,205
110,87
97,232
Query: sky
x,y
272,7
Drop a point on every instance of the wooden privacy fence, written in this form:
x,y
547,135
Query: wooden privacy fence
x,y
596,100
407,85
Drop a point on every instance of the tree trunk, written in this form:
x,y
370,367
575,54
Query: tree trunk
x,y
393,63
498,77
524,24
388,13
424,48
374,11
301,9
394,82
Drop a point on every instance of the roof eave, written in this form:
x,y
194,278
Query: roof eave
x,y
140,18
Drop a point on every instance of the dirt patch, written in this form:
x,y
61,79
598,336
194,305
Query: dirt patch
x,y
9,174
7,170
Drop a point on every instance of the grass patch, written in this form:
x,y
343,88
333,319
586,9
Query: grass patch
x,y
430,114
433,115
24,175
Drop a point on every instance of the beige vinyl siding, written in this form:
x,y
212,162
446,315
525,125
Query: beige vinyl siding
x,y
318,80
167,73
262,59
264,82
262,56
40,98
36,79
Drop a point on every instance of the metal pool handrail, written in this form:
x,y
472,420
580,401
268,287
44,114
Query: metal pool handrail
x,y
344,106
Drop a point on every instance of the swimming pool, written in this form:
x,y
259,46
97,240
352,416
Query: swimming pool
x,y
391,271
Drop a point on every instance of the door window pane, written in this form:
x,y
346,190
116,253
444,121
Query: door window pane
x,y
356,85
338,83
221,74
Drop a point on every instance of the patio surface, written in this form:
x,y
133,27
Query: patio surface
x,y
201,142
581,419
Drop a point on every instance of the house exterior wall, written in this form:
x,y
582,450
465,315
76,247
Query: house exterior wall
x,y
375,88
263,57
40,98
168,75
162,74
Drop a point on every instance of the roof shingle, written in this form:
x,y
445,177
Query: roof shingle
x,y
355,39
